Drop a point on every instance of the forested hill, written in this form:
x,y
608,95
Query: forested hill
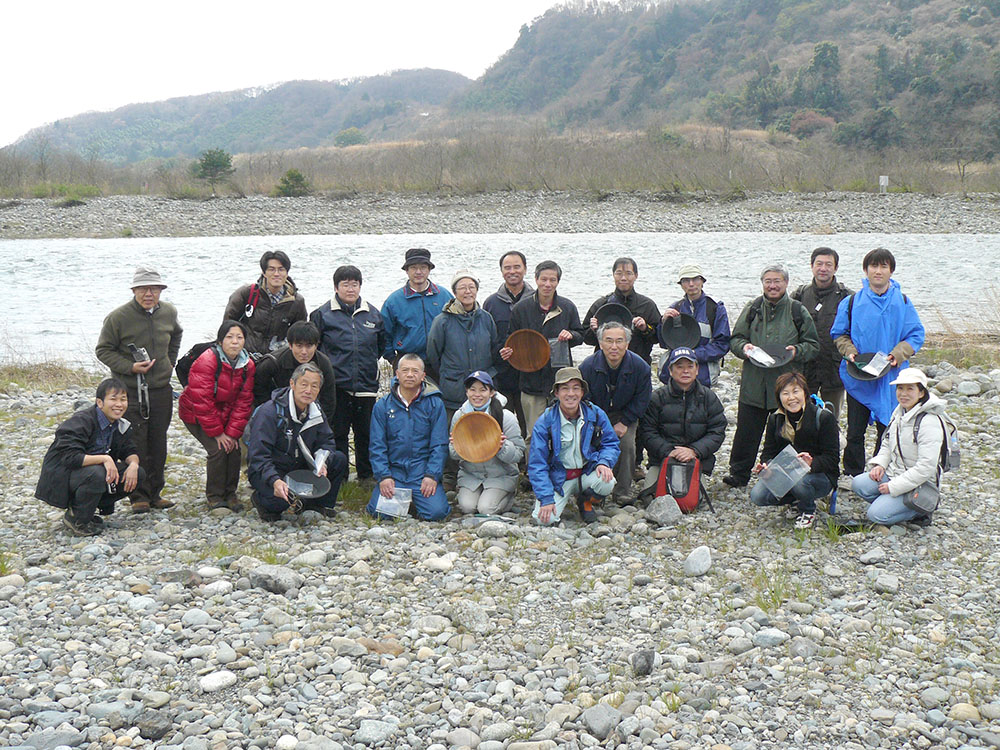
x,y
915,72
287,116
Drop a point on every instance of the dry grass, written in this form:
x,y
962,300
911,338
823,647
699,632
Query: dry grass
x,y
45,376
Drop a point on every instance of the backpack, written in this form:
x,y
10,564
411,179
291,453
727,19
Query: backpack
x,y
951,454
798,310
252,299
183,366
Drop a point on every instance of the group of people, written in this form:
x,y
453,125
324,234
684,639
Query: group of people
x,y
294,386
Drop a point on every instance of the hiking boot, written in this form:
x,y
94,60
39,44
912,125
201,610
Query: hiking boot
x,y
105,509
77,528
735,482
922,521
160,504
234,504
325,511
805,521
140,506
844,482
586,507
266,516
217,504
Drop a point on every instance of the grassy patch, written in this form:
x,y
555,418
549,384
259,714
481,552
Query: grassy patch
x,y
6,562
354,496
45,376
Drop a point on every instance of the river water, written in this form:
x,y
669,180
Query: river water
x,y
58,291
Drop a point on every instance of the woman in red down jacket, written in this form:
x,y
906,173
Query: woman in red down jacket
x,y
215,407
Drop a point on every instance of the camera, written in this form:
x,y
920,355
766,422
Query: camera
x,y
139,353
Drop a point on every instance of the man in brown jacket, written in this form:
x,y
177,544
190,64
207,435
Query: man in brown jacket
x,y
269,306
140,342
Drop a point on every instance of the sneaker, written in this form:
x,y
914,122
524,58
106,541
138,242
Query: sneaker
x,y
805,521
140,506
731,481
844,482
77,528
160,504
586,507
105,509
922,521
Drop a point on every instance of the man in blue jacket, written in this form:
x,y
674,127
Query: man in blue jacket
x,y
879,318
409,312
619,383
352,335
290,432
712,319
573,448
409,442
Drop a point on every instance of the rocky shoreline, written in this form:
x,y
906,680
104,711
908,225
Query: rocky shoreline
x,y
191,631
515,212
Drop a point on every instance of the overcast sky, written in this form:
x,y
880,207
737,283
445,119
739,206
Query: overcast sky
x,y
62,58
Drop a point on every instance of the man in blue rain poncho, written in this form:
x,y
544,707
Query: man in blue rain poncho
x,y
879,318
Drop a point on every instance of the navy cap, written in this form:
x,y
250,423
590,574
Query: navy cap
x,y
480,376
682,352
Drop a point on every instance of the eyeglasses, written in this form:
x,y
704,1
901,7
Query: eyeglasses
x,y
466,288
278,269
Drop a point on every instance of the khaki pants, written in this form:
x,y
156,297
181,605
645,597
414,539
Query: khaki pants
x,y
533,406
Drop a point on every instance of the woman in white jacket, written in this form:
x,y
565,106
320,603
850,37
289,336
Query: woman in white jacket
x,y
488,487
902,463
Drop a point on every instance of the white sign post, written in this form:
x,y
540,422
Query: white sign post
x,y
883,184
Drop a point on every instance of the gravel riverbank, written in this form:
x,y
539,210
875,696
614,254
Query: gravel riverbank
x,y
822,213
189,631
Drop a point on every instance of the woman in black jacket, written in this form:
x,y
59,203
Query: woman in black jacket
x,y
814,434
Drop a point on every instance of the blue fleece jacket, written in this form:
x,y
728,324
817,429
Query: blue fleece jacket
x,y
408,443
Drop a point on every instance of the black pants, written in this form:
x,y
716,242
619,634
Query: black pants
x,y
150,437
222,470
89,490
750,423
857,425
336,472
354,412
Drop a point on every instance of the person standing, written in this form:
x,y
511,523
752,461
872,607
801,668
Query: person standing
x,y
554,317
409,442
92,462
713,320
513,266
772,319
215,407
352,335
879,318
821,299
140,342
619,383
275,369
645,314
269,306
409,312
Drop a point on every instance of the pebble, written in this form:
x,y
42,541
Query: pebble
x,y
216,681
601,720
964,712
887,584
664,511
873,556
698,562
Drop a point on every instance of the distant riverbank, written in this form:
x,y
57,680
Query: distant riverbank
x,y
389,213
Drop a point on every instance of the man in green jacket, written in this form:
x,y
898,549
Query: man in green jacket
x,y
140,342
783,325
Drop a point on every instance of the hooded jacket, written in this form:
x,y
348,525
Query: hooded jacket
x,y
408,443
459,343
640,306
909,463
822,304
225,409
877,323
501,471
499,305
546,470
408,315
275,370
278,442
773,324
823,444
66,453
562,315
626,402
157,331
353,339
692,419
269,323
714,342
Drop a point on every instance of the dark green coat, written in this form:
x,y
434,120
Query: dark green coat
x,y
774,324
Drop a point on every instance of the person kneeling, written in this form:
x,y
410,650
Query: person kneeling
x,y
811,431
409,442
92,462
289,432
909,456
488,487
573,447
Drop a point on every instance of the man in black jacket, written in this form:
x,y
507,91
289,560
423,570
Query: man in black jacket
x,y
645,313
684,420
92,461
513,266
821,299
275,369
